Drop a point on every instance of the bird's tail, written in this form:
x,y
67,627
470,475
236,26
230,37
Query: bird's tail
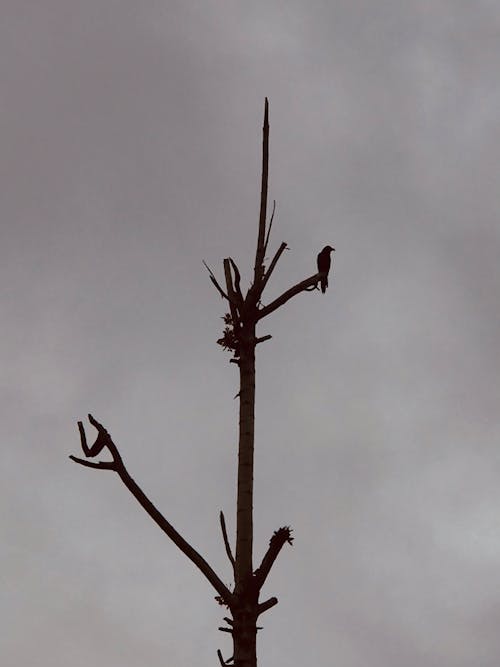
x,y
324,284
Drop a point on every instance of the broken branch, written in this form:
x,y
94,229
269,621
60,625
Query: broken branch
x,y
276,543
264,606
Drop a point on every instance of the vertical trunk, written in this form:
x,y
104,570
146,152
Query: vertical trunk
x,y
244,630
244,518
245,637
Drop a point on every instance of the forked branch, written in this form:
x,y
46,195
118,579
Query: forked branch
x,y
105,441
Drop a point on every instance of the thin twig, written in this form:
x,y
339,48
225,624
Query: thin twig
x,y
224,663
269,228
275,259
214,281
226,541
101,465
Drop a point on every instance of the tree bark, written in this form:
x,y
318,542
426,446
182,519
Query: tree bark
x,y
245,635
245,614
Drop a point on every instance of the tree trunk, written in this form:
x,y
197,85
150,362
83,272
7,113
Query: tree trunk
x,y
244,519
245,636
245,616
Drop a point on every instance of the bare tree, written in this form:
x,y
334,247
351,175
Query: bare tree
x,y
240,338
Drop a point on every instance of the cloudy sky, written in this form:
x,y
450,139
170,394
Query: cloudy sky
x,y
130,151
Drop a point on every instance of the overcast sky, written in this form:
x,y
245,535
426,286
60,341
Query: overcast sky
x,y
130,151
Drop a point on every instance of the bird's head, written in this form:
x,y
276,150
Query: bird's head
x,y
328,248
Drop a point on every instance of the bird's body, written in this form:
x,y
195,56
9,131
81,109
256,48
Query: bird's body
x,y
324,263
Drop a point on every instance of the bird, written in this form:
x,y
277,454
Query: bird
x,y
324,263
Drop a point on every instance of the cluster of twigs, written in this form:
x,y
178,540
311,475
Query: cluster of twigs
x,y
249,309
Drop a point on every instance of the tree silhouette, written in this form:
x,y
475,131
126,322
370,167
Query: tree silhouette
x,y
239,336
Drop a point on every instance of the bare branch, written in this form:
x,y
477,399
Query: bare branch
x,y
98,445
101,465
262,339
275,259
214,281
178,540
264,606
118,465
276,543
106,438
269,228
237,280
259,255
232,295
221,659
226,541
222,629
303,286
83,440
103,441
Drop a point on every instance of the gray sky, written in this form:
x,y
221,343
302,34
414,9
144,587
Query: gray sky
x,y
130,151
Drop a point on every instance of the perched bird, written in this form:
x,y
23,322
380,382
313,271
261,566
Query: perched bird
x,y
324,263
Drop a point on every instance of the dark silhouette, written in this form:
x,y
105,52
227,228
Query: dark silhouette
x,y
243,598
324,263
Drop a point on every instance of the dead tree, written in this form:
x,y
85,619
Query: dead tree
x,y
240,337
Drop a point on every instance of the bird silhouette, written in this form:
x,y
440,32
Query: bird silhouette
x,y
324,263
